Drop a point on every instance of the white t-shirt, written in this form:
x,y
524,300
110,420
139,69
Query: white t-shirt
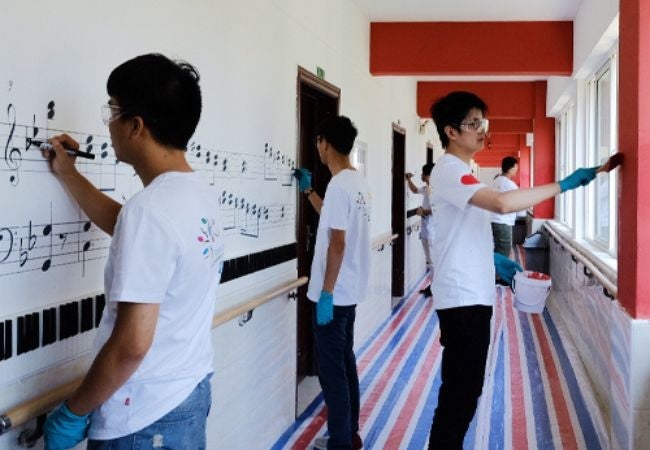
x,y
463,248
167,248
504,184
426,226
346,206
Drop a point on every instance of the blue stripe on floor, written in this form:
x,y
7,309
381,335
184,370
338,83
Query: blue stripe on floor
x,y
586,424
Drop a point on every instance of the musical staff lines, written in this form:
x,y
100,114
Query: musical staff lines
x,y
244,216
215,165
40,246
31,243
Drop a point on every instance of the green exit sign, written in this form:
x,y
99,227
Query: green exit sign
x,y
320,73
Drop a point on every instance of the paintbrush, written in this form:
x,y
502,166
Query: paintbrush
x,y
612,163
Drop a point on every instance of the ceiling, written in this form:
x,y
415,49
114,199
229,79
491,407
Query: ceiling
x,y
467,10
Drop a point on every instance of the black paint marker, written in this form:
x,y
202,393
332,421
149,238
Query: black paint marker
x,y
70,151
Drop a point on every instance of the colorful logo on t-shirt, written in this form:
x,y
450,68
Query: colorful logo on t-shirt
x,y
469,179
209,237
362,206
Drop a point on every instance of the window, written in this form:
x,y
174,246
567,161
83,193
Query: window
x,y
565,139
602,217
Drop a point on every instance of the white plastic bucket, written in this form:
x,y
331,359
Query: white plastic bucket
x,y
531,290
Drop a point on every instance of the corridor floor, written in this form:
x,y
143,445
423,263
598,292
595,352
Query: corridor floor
x,y
531,398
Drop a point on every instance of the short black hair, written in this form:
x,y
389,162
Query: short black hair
x,y
427,168
508,163
339,131
164,93
451,109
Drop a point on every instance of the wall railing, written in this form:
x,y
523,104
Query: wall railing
x,y
38,406
594,269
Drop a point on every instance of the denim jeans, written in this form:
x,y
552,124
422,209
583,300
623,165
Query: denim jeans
x,y
465,338
337,373
183,428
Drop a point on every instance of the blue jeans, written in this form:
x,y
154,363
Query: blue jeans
x,y
183,428
337,373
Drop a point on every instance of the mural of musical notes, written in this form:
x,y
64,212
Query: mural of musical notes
x,y
246,182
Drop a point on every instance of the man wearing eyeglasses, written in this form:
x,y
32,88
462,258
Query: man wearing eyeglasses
x,y
463,255
149,385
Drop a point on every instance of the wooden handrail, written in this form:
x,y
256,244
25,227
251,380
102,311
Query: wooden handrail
x,y
580,255
383,240
35,407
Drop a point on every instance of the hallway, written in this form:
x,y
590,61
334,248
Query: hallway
x,y
532,398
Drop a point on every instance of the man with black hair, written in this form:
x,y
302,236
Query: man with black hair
x,y
339,278
502,223
424,211
463,282
149,385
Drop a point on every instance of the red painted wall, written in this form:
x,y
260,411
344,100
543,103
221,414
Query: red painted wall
x,y
544,151
634,143
471,48
505,99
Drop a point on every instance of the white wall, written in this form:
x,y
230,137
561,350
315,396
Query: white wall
x,y
248,54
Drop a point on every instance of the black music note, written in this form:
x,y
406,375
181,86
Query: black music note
x,y
244,166
104,151
30,139
47,231
89,144
50,109
225,165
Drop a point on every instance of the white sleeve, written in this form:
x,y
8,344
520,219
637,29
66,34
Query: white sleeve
x,y
336,207
145,255
457,186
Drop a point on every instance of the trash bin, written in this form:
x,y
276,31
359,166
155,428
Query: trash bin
x,y
537,253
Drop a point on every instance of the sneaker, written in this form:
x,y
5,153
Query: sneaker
x,y
321,443
426,291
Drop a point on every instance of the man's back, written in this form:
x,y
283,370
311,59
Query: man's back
x,y
167,249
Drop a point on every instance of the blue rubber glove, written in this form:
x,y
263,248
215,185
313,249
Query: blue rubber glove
x,y
64,429
580,177
325,308
304,178
506,268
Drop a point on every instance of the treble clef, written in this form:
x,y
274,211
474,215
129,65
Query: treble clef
x,y
12,155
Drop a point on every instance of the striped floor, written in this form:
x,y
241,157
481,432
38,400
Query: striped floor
x,y
531,398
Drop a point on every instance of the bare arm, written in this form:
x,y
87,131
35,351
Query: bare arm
x,y
315,200
413,188
335,253
515,200
99,207
120,356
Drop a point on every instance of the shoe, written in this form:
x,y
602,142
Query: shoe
x,y
427,292
321,443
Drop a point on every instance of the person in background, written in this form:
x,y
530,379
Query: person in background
x,y
149,385
502,223
424,211
339,278
464,259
